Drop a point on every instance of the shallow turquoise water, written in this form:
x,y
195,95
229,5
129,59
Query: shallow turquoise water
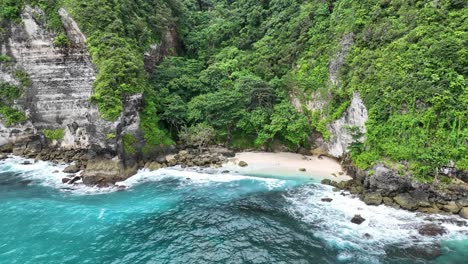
x,y
174,216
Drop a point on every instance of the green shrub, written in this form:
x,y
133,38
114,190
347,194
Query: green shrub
x,y
54,134
61,40
11,116
128,141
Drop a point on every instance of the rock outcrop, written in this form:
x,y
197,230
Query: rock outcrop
x,y
341,137
383,185
58,99
352,122
61,83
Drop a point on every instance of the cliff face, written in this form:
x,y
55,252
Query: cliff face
x,y
61,83
353,119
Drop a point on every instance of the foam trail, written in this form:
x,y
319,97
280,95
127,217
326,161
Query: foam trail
x,y
197,177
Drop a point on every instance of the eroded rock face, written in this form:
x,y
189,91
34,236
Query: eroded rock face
x,y
62,83
356,115
168,46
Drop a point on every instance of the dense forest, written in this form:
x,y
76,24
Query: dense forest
x,y
241,61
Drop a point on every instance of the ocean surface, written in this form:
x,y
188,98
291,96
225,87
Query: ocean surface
x,y
204,216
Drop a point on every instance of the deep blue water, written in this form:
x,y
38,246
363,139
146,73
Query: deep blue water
x,y
174,216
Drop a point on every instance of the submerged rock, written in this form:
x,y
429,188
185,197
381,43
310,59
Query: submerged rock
x,y
25,182
357,219
302,169
327,200
432,230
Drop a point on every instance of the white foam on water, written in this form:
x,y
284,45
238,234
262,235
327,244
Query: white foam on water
x,y
51,175
47,174
385,225
197,177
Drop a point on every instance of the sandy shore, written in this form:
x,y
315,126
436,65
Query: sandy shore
x,y
288,164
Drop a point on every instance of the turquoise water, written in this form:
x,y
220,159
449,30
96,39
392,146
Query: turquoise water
x,y
175,216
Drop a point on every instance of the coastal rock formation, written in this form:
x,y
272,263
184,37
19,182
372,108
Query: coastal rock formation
x,y
58,97
384,185
101,172
357,219
61,83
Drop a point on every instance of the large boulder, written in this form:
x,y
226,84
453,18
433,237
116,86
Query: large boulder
x,y
71,169
464,212
243,163
451,207
387,181
104,171
372,198
406,201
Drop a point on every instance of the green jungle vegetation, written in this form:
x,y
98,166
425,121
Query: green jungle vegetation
x,y
242,60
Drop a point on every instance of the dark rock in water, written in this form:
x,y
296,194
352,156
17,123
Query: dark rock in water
x,y
187,178
3,157
372,198
65,180
121,187
327,200
26,162
243,163
336,189
25,182
302,169
225,172
367,235
71,169
74,179
432,230
55,171
326,182
421,252
357,219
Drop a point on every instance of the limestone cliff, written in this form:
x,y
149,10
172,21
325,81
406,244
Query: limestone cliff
x,y
61,83
354,117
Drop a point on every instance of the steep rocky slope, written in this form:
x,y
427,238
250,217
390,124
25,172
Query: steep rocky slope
x,y
61,82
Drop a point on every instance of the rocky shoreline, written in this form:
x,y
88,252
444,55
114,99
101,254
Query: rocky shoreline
x,y
382,185
104,169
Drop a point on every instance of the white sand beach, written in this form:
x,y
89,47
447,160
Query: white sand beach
x,y
288,164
